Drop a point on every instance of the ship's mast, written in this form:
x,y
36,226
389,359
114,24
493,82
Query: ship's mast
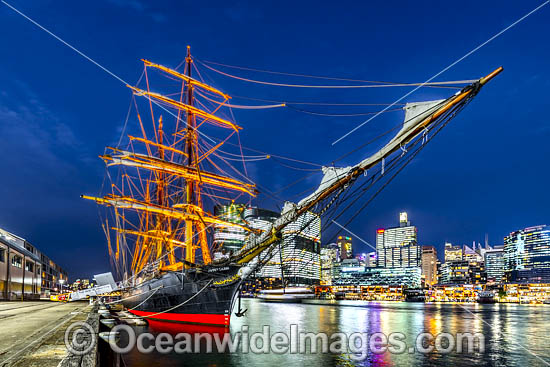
x,y
190,145
162,193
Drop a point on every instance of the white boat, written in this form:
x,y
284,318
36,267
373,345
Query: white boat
x,y
291,294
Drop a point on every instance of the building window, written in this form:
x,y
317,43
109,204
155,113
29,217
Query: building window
x,y
2,255
29,266
17,261
37,270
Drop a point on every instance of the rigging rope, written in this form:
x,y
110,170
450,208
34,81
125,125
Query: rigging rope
x,y
132,296
439,84
181,304
297,168
223,104
316,103
446,68
339,115
336,86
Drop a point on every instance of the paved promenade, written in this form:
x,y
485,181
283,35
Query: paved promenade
x,y
31,333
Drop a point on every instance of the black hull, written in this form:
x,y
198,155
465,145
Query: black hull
x,y
190,297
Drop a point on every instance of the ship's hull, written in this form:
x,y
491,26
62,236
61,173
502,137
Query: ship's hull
x,y
190,297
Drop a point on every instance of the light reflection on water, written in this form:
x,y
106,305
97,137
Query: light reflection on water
x,y
509,330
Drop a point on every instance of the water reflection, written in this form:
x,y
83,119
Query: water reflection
x,y
509,330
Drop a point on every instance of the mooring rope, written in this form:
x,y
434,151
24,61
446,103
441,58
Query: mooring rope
x,y
181,304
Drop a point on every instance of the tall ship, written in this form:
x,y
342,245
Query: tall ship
x,y
171,167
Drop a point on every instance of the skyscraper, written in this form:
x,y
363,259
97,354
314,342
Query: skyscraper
x,y
455,272
452,253
345,246
329,257
397,247
229,239
429,265
494,264
299,251
527,255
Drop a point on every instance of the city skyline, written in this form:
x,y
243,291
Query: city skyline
x,y
460,187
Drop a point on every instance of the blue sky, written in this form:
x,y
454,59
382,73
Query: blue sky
x,y
487,172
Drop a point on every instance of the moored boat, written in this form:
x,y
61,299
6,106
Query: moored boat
x,y
288,295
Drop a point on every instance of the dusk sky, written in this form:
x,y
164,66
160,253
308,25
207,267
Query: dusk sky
x,y
487,172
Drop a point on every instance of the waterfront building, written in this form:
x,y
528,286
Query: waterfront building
x,y
471,254
429,265
526,292
463,272
371,259
352,274
25,272
452,253
54,278
397,247
494,264
476,272
362,258
345,246
258,218
454,272
527,255
329,258
20,268
229,239
297,258
454,293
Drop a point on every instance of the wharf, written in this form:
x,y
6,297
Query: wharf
x,y
32,332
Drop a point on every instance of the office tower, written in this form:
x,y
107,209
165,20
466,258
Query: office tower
x,y
297,258
330,256
397,247
345,246
527,255
452,253
371,259
429,265
494,264
229,239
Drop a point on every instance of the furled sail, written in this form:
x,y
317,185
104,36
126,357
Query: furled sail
x,y
330,175
415,114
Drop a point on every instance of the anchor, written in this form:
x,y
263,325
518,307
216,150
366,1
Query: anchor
x,y
240,312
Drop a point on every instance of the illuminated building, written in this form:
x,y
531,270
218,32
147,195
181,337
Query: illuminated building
x,y
452,253
259,218
494,264
345,246
476,272
299,253
352,274
397,247
229,239
463,272
527,255
429,265
25,272
454,272
470,254
362,258
54,278
371,259
329,257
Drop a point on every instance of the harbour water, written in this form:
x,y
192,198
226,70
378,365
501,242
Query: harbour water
x,y
514,335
